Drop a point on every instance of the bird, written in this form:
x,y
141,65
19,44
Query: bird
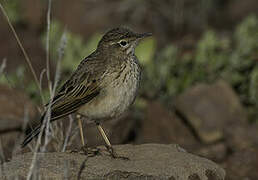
x,y
103,86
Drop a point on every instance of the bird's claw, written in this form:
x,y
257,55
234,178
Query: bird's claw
x,y
91,152
114,155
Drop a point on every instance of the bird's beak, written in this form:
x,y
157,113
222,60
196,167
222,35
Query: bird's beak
x,y
143,35
138,38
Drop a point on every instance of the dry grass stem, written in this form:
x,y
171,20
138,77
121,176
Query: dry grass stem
x,y
68,133
45,128
46,122
41,79
47,44
24,125
1,170
23,50
3,66
2,156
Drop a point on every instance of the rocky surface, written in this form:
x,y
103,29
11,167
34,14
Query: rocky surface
x,y
242,136
148,161
8,144
242,164
164,126
217,152
210,109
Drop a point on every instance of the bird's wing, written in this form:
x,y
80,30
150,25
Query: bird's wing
x,y
81,88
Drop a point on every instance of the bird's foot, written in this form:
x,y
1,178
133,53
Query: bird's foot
x,y
94,151
114,155
88,151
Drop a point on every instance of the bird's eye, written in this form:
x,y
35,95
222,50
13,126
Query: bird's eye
x,y
123,43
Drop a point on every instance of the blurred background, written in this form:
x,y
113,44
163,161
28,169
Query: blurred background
x,y
200,74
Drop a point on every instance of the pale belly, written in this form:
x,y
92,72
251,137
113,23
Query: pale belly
x,y
114,100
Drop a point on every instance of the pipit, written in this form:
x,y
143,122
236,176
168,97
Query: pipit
x,y
103,86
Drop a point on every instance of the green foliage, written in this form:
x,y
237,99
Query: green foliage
x,y
253,89
211,55
243,60
13,9
233,58
159,73
16,79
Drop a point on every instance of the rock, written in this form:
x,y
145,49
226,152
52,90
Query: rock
x,y
162,126
211,109
243,164
8,143
14,105
216,152
243,136
148,161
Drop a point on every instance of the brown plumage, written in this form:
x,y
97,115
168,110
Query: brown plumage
x,y
104,84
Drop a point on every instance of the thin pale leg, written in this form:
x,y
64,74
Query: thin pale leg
x,y
80,127
103,134
108,144
86,150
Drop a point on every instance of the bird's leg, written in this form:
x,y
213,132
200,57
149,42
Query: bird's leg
x,y
108,144
84,149
78,116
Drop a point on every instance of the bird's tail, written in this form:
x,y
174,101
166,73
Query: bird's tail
x,y
31,135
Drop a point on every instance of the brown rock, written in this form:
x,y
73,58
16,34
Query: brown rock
x,y
148,161
9,142
216,152
243,164
162,126
243,136
13,108
210,109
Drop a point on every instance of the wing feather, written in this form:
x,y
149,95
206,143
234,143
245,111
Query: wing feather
x,y
79,89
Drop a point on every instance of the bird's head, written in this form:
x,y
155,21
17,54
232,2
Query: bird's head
x,y
121,41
